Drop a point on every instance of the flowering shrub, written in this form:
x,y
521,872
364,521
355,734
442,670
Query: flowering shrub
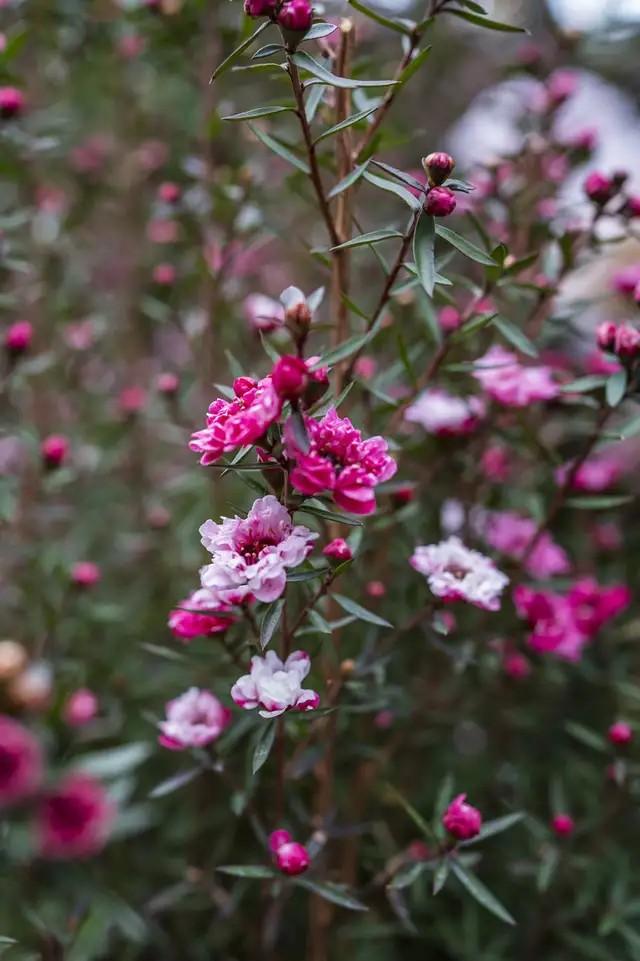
x,y
347,647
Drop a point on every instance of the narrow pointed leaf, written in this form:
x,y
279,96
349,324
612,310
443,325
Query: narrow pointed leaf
x,y
263,747
481,893
335,893
485,22
176,782
281,150
247,871
400,175
441,875
348,181
465,246
424,240
348,122
270,621
398,26
616,388
257,112
496,826
235,54
319,30
373,237
393,188
351,607
414,65
306,62
515,336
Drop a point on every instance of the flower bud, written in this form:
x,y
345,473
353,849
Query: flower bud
x,y
169,192
13,659
620,733
563,825
462,820
561,85
18,337
338,550
292,858
54,450
12,102
440,202
632,206
516,666
347,667
290,377
85,574
131,400
260,8
80,708
164,275
296,16
167,383
606,335
627,341
599,189
403,495
278,838
438,166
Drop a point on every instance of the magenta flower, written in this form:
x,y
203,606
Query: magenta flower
x,y
197,616
563,825
74,818
554,629
85,574
443,414
595,474
274,686
339,460
462,820
511,534
292,858
234,423
194,719
620,733
250,556
81,707
18,337
454,572
20,762
593,605
509,383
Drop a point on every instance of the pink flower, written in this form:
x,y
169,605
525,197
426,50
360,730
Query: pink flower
x,y
167,383
274,686
292,858
626,280
164,275
440,202
339,460
260,8
194,719
20,762
593,605
509,383
169,192
85,574
365,367
132,399
54,450
18,337
263,313
250,556
80,708
278,838
561,85
234,423
495,463
595,474
620,733
338,550
455,572
511,534
516,665
12,102
449,318
599,188
563,825
200,619
296,15
290,377
375,589
553,626
74,818
443,414
462,820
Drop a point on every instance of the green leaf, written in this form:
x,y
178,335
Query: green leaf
x,y
485,22
348,181
417,818
116,761
465,246
176,782
319,30
263,746
400,175
270,621
414,65
344,124
247,871
231,59
616,388
387,22
268,51
329,515
281,150
313,101
496,826
393,188
441,875
584,384
424,239
372,237
299,577
351,607
407,875
605,502
482,894
515,336
336,893
306,62
585,736
257,112
630,429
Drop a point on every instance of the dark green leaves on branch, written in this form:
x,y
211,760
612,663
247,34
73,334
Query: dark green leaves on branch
x,y
482,21
424,240
480,892
306,62
237,53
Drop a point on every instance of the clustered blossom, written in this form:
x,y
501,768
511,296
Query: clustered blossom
x,y
443,414
462,820
234,423
340,461
511,534
250,556
290,857
623,340
200,615
456,572
276,686
194,719
562,624
510,383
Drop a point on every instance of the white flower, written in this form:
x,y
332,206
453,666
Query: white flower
x,y
250,555
455,572
441,413
275,687
194,719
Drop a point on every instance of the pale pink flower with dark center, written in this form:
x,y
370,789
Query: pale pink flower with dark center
x,y
510,383
197,616
194,719
274,686
454,572
234,423
250,556
340,461
74,818
443,414
511,534
263,313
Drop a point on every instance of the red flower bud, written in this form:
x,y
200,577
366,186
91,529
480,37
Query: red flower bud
x,y
260,8
440,202
606,335
54,450
627,341
167,383
438,166
599,189
296,15
338,550
85,574
12,102
462,820
290,377
620,733
563,825
18,338
292,858
169,193
278,838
